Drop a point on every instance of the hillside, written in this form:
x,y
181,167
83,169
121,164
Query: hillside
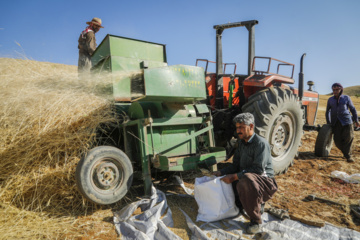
x,y
351,91
48,120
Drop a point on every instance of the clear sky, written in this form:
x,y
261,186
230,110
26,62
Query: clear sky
x,y
328,31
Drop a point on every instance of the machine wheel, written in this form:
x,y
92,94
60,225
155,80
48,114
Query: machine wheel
x,y
104,175
279,119
324,141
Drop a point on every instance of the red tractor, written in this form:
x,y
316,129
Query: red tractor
x,y
281,111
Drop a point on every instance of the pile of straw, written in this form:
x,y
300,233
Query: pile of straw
x,y
48,120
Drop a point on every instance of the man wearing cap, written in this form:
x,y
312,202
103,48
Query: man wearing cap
x,y
87,44
251,173
338,115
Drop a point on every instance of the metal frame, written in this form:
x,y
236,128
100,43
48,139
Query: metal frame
x,y
250,26
282,63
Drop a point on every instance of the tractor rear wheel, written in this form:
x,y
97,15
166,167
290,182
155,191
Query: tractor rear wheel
x,y
104,175
324,141
279,119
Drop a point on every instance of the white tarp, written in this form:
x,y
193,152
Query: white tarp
x,y
276,229
289,229
150,225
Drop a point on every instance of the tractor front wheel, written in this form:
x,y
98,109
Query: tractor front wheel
x,y
104,175
279,119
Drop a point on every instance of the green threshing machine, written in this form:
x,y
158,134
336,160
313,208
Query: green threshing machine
x,y
164,123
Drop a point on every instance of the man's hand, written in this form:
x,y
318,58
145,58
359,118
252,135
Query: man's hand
x,y
357,124
230,178
217,173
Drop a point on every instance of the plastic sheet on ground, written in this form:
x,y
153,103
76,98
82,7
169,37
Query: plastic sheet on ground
x,y
276,229
354,178
289,229
151,225
180,182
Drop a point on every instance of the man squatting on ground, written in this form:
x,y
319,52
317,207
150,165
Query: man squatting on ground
x,y
87,45
251,172
338,115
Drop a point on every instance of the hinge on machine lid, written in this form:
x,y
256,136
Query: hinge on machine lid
x,y
144,65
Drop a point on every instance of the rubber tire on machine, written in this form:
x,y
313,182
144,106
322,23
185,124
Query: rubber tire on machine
x,y
104,175
279,119
324,141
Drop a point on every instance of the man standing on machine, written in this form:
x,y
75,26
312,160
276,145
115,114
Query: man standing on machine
x,y
87,45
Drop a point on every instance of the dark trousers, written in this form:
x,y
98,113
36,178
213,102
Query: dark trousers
x,y
251,191
343,138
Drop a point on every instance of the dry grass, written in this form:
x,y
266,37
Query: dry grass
x,y
48,119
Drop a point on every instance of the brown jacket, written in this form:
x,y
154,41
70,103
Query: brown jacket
x,y
87,43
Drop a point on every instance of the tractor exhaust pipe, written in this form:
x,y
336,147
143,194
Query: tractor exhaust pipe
x,y
301,78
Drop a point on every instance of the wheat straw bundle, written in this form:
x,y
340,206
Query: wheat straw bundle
x,y
48,119
20,224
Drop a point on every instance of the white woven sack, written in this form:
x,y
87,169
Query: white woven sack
x,y
215,199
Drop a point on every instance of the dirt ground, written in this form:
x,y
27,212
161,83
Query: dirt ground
x,y
308,175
